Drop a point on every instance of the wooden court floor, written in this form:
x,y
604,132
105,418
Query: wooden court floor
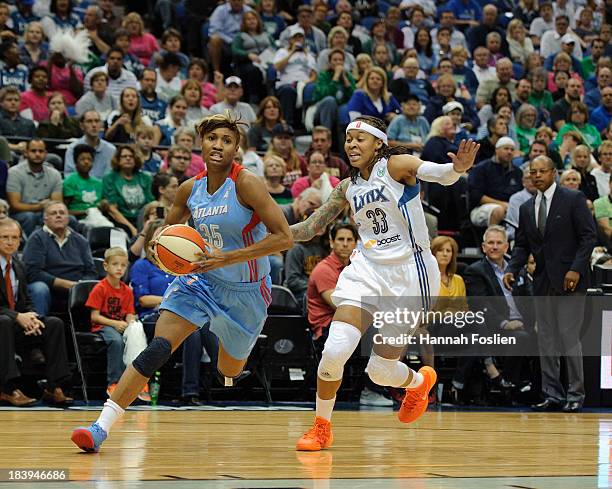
x,y
372,449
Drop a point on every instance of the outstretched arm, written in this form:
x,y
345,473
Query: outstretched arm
x,y
319,219
407,167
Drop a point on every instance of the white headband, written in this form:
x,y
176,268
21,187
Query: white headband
x,y
364,126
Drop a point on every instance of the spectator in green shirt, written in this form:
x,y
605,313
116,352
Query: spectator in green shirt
x,y
333,90
603,212
540,98
82,191
577,118
127,188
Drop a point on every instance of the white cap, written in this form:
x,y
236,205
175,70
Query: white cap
x,y
568,39
296,29
450,106
233,80
505,141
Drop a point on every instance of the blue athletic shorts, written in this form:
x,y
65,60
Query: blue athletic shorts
x,y
236,311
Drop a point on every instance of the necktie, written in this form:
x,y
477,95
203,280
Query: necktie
x,y
9,285
542,215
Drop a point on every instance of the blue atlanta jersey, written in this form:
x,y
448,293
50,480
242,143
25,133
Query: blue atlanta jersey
x,y
227,224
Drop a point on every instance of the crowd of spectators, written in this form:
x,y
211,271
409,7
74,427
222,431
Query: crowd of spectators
x,y
98,101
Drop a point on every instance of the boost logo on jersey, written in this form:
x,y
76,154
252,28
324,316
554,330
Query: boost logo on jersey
x,y
370,243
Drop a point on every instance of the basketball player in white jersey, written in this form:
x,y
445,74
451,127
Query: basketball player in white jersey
x,y
393,261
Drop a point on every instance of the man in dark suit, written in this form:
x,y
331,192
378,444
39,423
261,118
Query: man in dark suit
x,y
557,228
21,329
484,278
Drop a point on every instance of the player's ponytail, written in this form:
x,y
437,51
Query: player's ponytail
x,y
384,152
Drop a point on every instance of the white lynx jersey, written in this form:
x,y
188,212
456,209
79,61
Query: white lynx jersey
x,y
389,216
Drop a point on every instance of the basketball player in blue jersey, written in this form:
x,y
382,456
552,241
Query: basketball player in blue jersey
x,y
231,290
393,261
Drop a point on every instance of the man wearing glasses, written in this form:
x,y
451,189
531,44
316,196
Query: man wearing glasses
x,y
557,228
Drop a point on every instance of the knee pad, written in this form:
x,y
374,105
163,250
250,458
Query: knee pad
x,y
340,344
153,357
383,371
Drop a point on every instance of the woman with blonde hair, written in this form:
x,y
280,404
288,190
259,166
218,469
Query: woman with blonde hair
x,y
363,64
526,117
372,98
33,49
142,44
274,173
336,39
519,42
562,62
452,295
121,124
581,162
570,179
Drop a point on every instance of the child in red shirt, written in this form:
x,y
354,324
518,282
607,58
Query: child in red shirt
x,y
112,309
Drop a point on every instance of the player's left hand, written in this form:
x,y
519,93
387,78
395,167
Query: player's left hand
x,y
211,259
464,159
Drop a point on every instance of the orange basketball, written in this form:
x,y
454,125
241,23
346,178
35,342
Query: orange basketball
x,y
176,249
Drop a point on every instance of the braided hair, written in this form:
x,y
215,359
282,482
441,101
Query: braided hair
x,y
384,152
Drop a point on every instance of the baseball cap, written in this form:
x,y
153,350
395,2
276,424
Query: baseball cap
x,y
27,3
235,80
296,29
568,39
281,129
505,141
450,106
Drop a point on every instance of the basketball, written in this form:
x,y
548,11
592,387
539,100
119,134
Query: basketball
x,y
177,247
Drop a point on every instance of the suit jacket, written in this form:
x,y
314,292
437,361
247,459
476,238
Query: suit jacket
x,y
23,302
480,281
567,244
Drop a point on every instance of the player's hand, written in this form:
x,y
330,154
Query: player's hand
x,y
464,159
153,243
213,258
571,280
508,280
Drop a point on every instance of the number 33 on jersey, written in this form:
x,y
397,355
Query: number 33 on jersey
x,y
388,215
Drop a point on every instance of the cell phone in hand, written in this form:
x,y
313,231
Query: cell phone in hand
x,y
160,212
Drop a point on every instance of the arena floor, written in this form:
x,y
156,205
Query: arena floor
x,y
254,448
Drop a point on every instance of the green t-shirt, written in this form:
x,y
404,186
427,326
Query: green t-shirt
x,y
603,208
129,195
589,132
83,192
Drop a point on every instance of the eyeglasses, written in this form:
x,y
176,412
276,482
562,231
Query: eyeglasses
x,y
182,158
539,172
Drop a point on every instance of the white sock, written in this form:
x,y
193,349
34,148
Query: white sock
x,y
111,412
417,380
325,407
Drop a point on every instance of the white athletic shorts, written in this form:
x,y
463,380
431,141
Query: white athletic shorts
x,y
383,288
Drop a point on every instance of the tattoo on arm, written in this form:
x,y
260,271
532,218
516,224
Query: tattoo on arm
x,y
318,220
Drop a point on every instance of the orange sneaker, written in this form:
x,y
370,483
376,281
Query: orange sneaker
x,y
416,400
318,437
144,394
110,389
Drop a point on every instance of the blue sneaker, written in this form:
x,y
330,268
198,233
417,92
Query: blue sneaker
x,y
89,439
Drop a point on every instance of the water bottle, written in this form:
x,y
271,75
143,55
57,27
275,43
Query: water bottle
x,y
154,388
